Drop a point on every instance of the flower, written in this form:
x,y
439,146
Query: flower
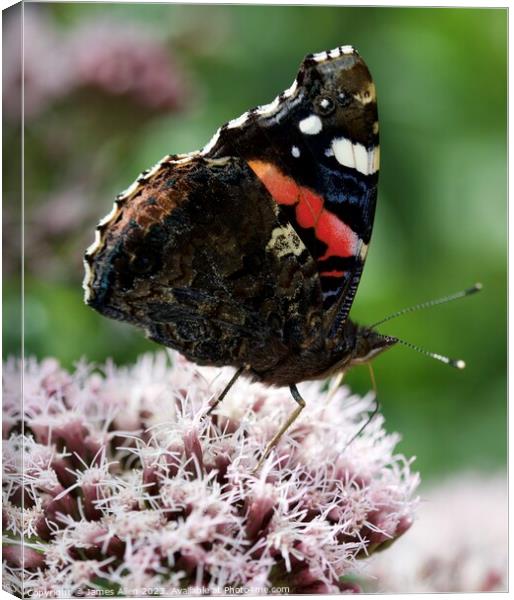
x,y
128,486
459,543
120,60
41,63
124,60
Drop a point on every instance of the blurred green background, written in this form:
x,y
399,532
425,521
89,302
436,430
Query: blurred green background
x,y
112,88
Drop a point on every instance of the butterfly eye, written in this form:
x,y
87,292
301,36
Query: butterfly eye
x,y
325,105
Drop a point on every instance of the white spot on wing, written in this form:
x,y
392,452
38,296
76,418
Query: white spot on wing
x,y
237,122
269,109
361,158
291,90
311,125
284,240
335,53
356,156
343,151
320,56
295,151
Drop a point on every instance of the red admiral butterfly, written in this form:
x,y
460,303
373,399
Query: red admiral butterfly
x,y
249,252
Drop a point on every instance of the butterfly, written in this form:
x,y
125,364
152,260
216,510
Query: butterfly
x,y
249,251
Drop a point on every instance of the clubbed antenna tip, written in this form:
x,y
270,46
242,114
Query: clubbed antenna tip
x,y
452,362
458,364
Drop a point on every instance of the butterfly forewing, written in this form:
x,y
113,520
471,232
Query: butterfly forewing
x,y
316,150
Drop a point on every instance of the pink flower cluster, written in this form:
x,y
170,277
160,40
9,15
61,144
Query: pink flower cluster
x,y
114,59
126,486
470,553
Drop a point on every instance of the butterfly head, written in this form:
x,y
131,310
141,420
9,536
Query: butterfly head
x,y
368,344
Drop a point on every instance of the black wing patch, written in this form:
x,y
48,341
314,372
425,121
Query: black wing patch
x,y
201,260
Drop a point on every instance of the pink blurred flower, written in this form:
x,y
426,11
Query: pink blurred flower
x,y
458,544
46,64
116,59
126,485
124,60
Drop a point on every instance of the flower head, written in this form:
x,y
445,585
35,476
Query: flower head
x,y
120,60
470,551
126,484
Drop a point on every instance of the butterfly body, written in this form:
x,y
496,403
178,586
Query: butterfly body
x,y
249,252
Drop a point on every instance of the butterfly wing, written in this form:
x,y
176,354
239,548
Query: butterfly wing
x,y
249,252
316,149
198,257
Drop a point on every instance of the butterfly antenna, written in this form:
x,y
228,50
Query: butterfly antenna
x,y
452,362
462,294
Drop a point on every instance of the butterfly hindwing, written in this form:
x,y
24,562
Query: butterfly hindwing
x,y
199,257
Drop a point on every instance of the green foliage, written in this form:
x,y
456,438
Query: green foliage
x,y
441,218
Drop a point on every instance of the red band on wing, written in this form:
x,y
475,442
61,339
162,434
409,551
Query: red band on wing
x,y
309,208
340,239
283,189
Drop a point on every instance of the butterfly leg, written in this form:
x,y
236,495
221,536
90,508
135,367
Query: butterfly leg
x,y
291,419
225,391
335,384
373,413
